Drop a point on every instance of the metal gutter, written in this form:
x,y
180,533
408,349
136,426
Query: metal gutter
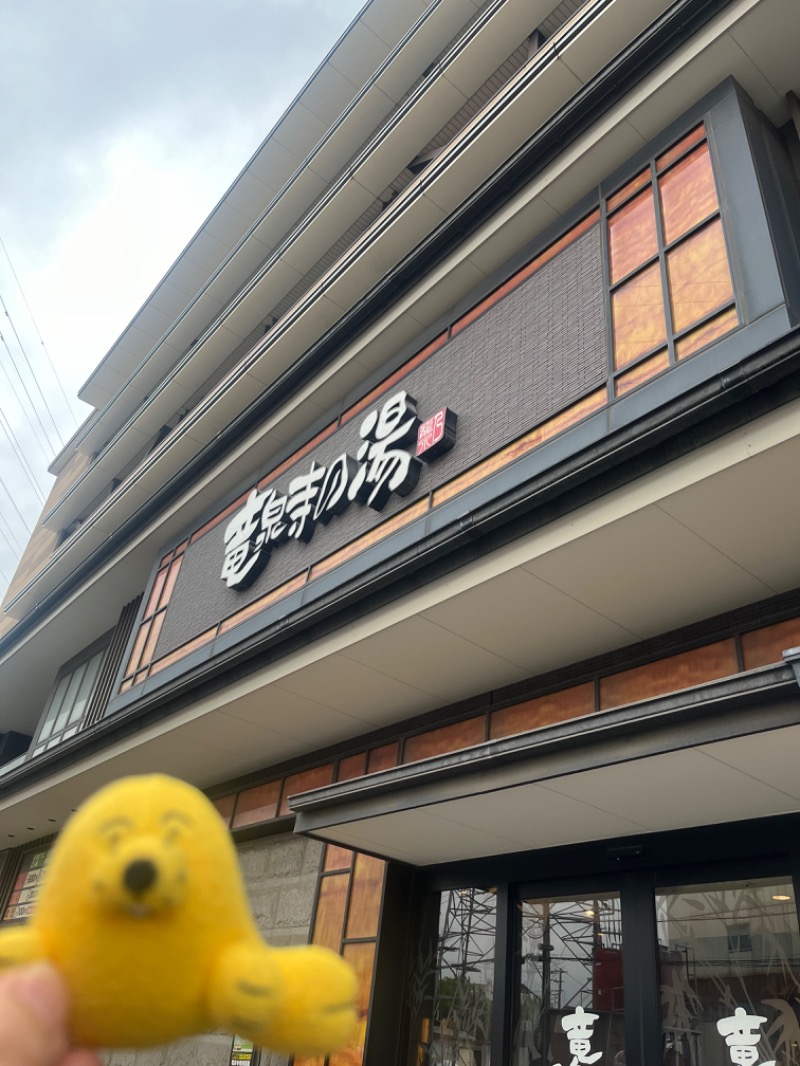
x,y
755,702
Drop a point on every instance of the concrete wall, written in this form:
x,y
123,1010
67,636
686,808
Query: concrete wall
x,y
281,877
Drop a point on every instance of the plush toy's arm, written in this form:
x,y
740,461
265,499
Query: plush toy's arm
x,y
244,990
297,1000
19,945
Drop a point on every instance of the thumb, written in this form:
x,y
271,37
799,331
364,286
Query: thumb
x,y
33,1017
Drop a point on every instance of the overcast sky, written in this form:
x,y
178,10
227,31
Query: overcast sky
x,y
123,122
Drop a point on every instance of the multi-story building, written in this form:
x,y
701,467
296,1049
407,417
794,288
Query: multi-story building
x,y
436,516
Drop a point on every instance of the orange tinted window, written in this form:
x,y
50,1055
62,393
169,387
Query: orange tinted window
x,y
764,646
329,921
638,182
225,807
632,235
637,309
382,758
676,672
337,858
642,372
305,781
683,145
699,276
688,193
155,595
257,804
705,334
448,738
544,710
352,766
362,958
365,897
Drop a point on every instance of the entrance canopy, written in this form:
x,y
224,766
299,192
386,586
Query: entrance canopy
x,y
722,752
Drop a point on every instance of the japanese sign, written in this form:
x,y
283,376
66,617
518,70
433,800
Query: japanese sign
x,y
579,1028
742,1032
394,444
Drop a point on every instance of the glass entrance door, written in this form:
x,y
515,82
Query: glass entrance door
x,y
518,974
729,973
569,994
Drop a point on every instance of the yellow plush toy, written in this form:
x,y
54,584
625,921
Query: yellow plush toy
x,y
144,912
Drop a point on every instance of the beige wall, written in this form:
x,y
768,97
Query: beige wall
x,y
281,877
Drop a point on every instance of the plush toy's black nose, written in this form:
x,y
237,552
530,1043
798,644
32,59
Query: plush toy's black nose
x,y
139,875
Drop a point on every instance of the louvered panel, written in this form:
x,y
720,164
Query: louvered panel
x,y
561,14
108,671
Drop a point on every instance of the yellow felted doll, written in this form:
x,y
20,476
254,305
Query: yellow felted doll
x,y
144,912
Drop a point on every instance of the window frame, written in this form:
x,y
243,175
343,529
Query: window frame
x,y
52,711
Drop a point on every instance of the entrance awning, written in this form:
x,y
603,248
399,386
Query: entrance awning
x,y
722,752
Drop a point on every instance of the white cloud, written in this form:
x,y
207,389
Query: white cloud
x,y
129,122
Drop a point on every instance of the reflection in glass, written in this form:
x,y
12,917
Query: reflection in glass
x,y
451,983
642,372
688,193
730,992
632,236
637,310
570,1005
705,334
699,276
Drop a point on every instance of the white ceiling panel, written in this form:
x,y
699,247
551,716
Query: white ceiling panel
x,y
359,689
420,653
678,789
505,614
608,568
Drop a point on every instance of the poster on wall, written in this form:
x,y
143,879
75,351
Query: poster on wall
x,y
243,1053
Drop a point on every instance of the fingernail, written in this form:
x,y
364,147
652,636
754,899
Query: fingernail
x,y
41,990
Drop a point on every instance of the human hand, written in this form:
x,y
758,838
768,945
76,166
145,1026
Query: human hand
x,y
33,1020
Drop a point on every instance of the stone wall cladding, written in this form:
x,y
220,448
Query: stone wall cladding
x,y
281,875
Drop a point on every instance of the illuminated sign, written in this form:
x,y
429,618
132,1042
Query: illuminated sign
x,y
394,444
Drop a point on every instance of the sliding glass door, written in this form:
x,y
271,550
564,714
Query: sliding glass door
x,y
592,973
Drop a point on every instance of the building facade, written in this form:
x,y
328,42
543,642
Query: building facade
x,y
435,516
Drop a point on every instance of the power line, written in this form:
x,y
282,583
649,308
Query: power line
x,y
22,519
4,577
22,405
67,399
19,549
10,545
32,372
27,469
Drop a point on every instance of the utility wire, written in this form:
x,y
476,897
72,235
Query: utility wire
x,y
47,457
10,545
19,549
32,373
28,470
20,515
5,579
67,399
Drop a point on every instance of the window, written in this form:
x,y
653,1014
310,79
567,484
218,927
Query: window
x,y
26,886
452,980
728,960
671,285
70,701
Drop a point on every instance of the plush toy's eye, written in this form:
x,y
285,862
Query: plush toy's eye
x,y
176,826
114,832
